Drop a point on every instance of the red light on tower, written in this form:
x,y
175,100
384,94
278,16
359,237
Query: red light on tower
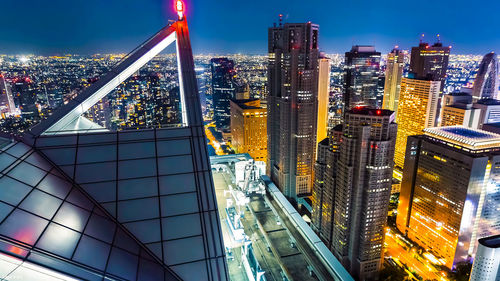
x,y
379,112
179,8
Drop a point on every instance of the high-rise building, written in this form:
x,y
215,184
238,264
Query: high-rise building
x,y
361,78
25,96
490,111
292,106
457,109
323,197
393,75
223,90
430,62
323,97
362,189
7,106
450,191
486,82
249,128
487,261
417,110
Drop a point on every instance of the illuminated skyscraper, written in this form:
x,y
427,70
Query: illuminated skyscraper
x,y
393,75
249,128
223,90
487,261
292,106
7,106
450,191
417,110
361,78
362,189
486,82
430,62
323,97
457,109
25,96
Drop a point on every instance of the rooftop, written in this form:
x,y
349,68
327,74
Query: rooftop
x,y
474,139
489,102
491,242
363,110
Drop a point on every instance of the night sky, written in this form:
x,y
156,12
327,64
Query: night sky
x,y
234,26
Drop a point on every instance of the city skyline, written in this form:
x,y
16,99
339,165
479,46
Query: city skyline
x,y
57,27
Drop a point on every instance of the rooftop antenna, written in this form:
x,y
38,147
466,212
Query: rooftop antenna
x,y
281,20
422,38
438,38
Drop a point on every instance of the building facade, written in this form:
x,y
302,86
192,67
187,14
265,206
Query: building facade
x,y
7,106
223,90
292,106
361,78
362,190
430,62
323,97
486,82
393,76
490,111
249,128
487,262
449,191
25,98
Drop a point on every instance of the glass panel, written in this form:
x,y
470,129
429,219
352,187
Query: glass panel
x,y
36,159
61,156
55,186
72,216
146,231
18,150
183,250
97,138
12,191
41,204
181,226
137,188
59,240
98,153
4,210
122,263
174,147
56,141
92,252
102,191
137,168
86,173
139,209
136,150
178,204
150,271
27,173
175,165
5,160
100,228
192,271
177,184
78,198
23,227
155,249
124,241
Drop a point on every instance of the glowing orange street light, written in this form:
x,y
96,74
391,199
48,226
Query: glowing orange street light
x,y
179,8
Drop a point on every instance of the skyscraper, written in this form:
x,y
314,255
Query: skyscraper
x,y
417,110
393,75
25,95
223,90
457,109
430,62
292,106
450,191
323,97
7,106
362,189
486,82
361,78
487,262
249,128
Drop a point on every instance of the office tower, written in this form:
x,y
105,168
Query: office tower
x,y
292,106
417,110
487,262
450,191
393,75
7,106
25,95
430,62
323,196
361,78
486,82
249,128
242,90
490,111
323,97
114,205
223,90
457,109
362,189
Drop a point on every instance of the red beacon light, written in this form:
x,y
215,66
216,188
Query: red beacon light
x,y
179,8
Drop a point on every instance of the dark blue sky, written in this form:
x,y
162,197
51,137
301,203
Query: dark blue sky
x,y
232,26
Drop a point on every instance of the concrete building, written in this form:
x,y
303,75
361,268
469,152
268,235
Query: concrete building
x,y
249,128
323,97
490,111
417,110
292,106
487,262
450,191
393,76
362,190
361,78
457,109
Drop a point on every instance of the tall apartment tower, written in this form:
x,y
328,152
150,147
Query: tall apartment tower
x,y
292,106
7,106
487,262
223,90
417,110
393,75
323,198
323,97
450,191
249,128
430,62
26,98
486,82
361,78
362,189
